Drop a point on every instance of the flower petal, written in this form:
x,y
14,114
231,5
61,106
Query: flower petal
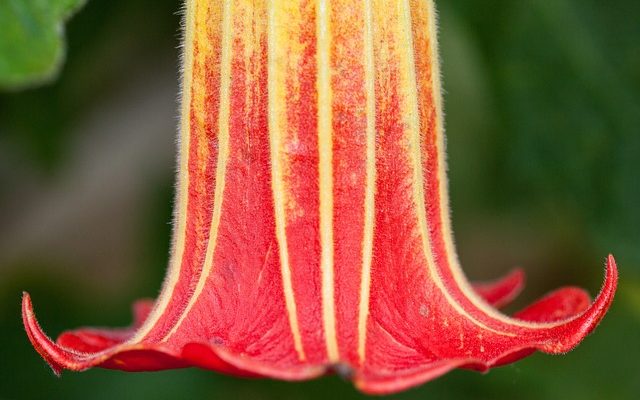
x,y
558,322
501,292
312,228
498,293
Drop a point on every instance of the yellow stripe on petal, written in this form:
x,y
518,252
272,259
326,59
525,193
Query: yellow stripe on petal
x,y
223,157
325,173
277,12
192,18
369,206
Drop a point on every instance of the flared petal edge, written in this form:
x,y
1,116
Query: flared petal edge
x,y
568,307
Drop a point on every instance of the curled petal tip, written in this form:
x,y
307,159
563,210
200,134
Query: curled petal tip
x,y
52,354
604,299
571,333
607,292
501,292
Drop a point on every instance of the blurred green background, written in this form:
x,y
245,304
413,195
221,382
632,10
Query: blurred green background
x,y
543,123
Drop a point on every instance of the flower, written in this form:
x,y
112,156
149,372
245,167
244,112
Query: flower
x,y
312,228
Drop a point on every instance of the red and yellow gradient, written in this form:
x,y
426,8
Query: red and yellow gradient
x,y
312,226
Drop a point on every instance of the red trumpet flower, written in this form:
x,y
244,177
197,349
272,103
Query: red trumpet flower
x,y
312,225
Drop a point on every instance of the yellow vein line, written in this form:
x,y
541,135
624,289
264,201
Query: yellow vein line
x,y
325,170
276,112
369,201
413,123
223,156
444,194
183,178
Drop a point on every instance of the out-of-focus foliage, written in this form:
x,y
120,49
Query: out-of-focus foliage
x,y
543,122
32,39
565,84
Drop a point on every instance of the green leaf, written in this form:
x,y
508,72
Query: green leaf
x,y
32,40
